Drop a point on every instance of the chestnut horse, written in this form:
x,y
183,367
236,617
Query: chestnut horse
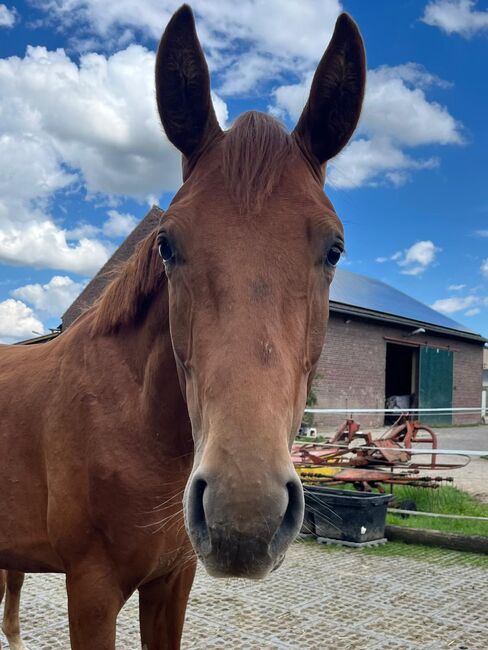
x,y
157,428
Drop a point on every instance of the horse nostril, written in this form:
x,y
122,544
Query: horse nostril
x,y
196,501
294,511
292,519
197,521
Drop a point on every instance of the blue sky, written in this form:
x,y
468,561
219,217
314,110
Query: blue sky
x,y
82,155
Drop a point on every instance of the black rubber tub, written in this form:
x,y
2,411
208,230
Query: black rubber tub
x,y
345,515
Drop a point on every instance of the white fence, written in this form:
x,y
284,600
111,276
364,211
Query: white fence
x,y
473,409
396,411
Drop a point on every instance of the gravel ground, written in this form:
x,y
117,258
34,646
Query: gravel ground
x,y
474,477
320,599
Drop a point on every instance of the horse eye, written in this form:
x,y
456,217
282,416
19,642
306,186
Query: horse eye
x,y
333,255
165,250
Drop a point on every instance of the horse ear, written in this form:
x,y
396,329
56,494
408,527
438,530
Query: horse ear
x,y
183,86
333,108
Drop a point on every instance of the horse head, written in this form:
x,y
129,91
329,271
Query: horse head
x,y
249,245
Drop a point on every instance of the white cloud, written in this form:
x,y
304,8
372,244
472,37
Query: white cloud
x,y
248,70
372,161
285,35
456,17
413,74
42,244
289,99
52,298
484,267
7,16
221,109
414,260
471,305
17,321
396,116
396,106
98,117
64,124
418,257
481,233
455,304
391,258
34,168
82,230
456,287
118,224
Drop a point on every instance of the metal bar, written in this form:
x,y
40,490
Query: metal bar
x,y
414,513
419,344
410,450
395,411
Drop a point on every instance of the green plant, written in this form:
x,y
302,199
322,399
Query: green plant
x,y
312,401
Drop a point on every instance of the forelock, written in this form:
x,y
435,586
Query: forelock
x,y
255,150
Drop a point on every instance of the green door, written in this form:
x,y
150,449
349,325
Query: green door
x,y
435,384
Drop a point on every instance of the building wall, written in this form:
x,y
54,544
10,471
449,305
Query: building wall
x,y
351,370
485,368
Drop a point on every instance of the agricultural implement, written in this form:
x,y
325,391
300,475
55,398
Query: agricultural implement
x,y
355,457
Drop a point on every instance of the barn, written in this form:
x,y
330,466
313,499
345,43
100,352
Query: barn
x,y
383,343
380,343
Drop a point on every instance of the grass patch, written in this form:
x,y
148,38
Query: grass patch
x,y
443,500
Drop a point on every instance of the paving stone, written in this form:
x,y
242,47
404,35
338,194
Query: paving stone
x,y
320,598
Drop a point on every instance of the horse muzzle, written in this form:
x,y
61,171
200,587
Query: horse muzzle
x,y
242,533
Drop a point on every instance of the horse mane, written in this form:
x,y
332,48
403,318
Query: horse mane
x,y
127,297
255,150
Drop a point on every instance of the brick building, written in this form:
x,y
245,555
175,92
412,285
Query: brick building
x,y
380,343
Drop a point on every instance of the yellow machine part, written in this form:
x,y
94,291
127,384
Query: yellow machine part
x,y
317,470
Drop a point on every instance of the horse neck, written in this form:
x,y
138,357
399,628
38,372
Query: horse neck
x,y
142,370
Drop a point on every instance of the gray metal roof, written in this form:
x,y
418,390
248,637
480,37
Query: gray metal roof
x,y
359,294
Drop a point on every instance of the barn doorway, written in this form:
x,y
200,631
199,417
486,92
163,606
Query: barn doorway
x,y
401,377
